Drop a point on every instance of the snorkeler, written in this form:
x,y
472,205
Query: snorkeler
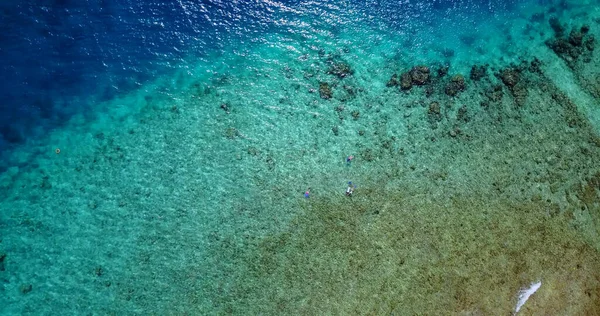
x,y
349,159
307,193
350,188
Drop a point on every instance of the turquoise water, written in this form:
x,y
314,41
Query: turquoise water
x,y
184,193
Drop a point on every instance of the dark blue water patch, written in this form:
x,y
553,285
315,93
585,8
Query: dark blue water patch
x,y
53,50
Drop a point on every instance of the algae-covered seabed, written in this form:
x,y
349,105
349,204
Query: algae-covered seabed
x,y
187,196
439,223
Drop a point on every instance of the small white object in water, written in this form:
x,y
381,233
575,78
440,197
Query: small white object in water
x,y
524,294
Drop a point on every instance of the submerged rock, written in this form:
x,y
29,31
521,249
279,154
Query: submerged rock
x,y
434,108
584,29
520,94
495,93
26,288
434,114
405,81
325,91
335,130
456,85
516,83
576,38
2,257
429,90
442,71
98,271
463,114
478,72
510,77
225,108
590,43
560,46
340,69
535,66
578,44
420,75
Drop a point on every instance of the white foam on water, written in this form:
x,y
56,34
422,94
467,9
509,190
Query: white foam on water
x,y
524,294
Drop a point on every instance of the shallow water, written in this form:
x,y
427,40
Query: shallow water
x,y
156,156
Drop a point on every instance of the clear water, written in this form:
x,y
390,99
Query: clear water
x,y
155,158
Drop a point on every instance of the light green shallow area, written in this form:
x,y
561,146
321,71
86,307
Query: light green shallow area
x,y
186,196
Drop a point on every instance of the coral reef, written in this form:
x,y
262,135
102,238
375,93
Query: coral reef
x,y
578,45
340,70
457,84
478,72
325,91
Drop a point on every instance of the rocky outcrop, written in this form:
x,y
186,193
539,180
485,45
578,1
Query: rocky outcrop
x,y
493,94
478,72
515,79
572,48
442,71
420,75
325,91
434,114
510,77
405,81
520,93
456,85
340,69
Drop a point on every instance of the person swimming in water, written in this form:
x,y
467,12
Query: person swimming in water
x,y
349,159
307,193
350,189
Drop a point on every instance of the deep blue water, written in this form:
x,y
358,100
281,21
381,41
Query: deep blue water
x,y
51,51
60,57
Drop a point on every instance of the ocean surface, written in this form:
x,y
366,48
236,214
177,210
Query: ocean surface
x,y
299,157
